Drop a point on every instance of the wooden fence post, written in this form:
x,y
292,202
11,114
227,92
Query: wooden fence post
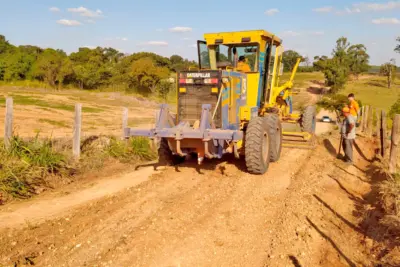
x,y
378,124
125,113
8,123
366,112
395,143
76,142
362,119
370,123
383,134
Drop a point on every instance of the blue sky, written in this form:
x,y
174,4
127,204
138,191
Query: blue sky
x,y
172,27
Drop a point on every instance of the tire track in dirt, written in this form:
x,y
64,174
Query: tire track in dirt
x,y
174,217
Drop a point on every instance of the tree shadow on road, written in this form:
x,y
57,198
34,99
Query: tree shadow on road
x,y
360,152
295,261
348,223
327,238
351,195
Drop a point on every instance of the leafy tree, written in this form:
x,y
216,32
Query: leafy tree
x,y
389,71
48,66
320,63
334,103
397,49
4,44
147,75
66,71
289,59
346,59
358,59
90,68
17,64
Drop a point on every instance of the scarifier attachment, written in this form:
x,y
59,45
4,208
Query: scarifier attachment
x,y
205,140
302,140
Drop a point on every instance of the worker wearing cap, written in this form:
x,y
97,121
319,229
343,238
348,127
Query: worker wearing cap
x,y
354,107
242,65
348,132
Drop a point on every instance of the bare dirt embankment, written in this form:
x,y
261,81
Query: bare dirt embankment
x,y
304,212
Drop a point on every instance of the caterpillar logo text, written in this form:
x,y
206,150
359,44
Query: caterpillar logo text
x,y
198,75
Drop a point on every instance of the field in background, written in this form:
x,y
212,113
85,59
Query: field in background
x,y
50,113
372,90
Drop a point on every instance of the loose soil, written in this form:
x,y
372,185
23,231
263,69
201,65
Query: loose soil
x,y
304,212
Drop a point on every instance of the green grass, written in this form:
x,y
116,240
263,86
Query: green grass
x,y
26,164
32,163
135,148
374,92
36,101
61,124
302,79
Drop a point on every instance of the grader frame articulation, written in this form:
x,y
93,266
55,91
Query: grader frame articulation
x,y
222,110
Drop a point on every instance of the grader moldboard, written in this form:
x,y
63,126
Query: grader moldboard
x,y
223,110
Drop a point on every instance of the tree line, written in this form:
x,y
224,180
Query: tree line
x,y
346,60
89,68
148,72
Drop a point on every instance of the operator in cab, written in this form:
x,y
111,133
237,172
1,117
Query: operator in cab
x,y
242,65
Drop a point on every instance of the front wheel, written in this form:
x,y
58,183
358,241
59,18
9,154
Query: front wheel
x,y
275,136
309,119
257,146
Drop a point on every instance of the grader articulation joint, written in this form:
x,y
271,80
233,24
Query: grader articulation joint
x,y
222,110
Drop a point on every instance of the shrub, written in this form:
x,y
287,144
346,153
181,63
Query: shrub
x,y
29,164
26,164
134,149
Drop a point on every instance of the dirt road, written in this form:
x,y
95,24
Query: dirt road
x,y
298,214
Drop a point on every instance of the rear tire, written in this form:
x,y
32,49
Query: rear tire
x,y
275,136
165,155
257,146
309,120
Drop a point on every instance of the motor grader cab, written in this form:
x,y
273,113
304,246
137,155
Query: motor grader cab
x,y
222,110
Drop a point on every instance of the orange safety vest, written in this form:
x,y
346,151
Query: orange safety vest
x,y
242,66
354,108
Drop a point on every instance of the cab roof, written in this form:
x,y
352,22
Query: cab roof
x,y
252,36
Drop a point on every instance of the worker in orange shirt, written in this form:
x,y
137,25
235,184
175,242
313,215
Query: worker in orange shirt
x,y
354,107
242,65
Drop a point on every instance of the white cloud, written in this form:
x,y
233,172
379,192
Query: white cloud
x,y
325,9
186,39
318,33
378,6
85,12
290,33
121,38
349,11
363,6
54,9
67,22
156,43
193,45
91,21
386,21
271,12
180,29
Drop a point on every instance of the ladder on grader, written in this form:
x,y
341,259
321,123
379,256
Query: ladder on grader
x,y
221,109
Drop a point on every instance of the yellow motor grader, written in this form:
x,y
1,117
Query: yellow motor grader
x,y
221,109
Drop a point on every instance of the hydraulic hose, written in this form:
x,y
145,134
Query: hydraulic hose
x,y
216,106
